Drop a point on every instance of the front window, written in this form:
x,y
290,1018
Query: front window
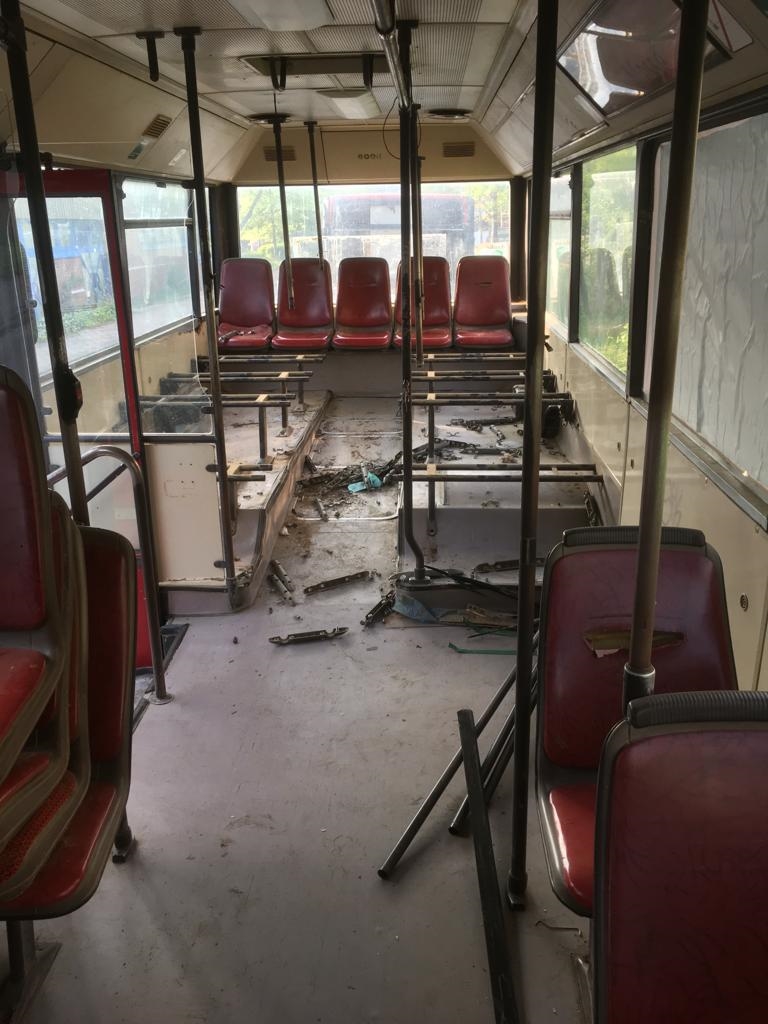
x,y
458,219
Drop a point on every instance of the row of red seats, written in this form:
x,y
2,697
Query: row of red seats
x,y
67,639
364,314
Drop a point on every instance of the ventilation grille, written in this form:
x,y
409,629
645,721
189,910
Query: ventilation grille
x,y
270,154
454,149
156,126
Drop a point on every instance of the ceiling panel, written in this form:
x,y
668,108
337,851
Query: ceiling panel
x,y
358,12
129,16
235,44
441,52
346,39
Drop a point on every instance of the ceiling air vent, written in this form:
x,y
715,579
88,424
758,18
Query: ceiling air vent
x,y
156,126
456,149
270,154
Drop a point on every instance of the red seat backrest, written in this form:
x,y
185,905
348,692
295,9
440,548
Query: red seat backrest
x,y
363,298
482,292
110,565
592,591
313,298
437,293
681,901
25,545
246,293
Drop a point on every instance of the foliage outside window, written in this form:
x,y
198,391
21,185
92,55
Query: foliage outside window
x,y
458,219
157,236
559,262
82,273
608,212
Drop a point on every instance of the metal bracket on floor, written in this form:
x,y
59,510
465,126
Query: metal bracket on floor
x,y
380,610
339,581
309,637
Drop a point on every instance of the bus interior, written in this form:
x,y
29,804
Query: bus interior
x,y
384,511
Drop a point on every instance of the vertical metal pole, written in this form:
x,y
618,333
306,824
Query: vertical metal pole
x,y
418,257
546,54
502,989
639,674
277,128
263,449
517,203
217,413
574,283
313,161
66,385
406,116
431,505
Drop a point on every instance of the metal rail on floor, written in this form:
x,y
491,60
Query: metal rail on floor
x,y
159,693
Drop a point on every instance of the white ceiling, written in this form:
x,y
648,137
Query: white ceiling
x,y
474,54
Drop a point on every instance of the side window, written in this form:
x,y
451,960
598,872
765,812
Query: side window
x,y
157,224
82,272
559,264
608,221
722,373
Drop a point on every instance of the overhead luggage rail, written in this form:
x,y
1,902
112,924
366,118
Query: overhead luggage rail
x,y
586,615
246,305
680,848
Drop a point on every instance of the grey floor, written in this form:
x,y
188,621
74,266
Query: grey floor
x,y
265,797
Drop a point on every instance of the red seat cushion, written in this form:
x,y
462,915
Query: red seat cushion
x,y
64,870
20,673
302,340
499,337
573,814
432,338
244,338
362,339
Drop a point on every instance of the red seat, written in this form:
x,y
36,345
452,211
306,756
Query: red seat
x,y
681,902
436,323
33,624
482,310
71,874
363,304
59,738
309,325
587,602
246,305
